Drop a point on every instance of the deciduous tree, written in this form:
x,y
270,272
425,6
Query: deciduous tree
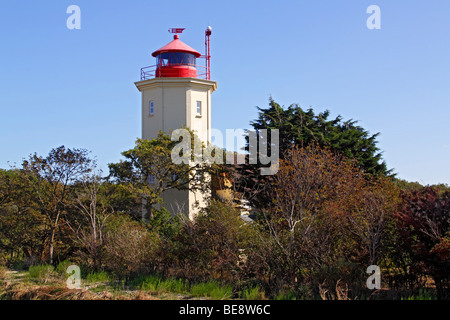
x,y
52,178
424,226
148,170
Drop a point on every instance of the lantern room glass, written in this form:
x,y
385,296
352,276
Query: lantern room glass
x,y
175,58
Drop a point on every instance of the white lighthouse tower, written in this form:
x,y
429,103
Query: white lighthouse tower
x,y
176,93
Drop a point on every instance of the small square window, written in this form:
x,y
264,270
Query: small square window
x,y
151,108
151,179
199,108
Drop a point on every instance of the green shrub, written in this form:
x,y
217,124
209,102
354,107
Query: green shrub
x,y
62,268
101,276
16,265
164,224
41,272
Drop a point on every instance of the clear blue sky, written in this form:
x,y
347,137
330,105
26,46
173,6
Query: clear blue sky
x,y
76,87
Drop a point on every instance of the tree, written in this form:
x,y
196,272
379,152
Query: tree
x,y
88,220
302,128
324,217
148,170
21,224
424,226
51,179
121,198
373,205
305,220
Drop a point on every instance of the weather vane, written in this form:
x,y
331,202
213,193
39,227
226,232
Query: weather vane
x,y
176,30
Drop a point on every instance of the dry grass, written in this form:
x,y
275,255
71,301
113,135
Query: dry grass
x,y
19,291
341,292
15,286
20,286
3,271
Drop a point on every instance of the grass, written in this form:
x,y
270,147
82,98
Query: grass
x,y
44,282
100,276
254,293
173,285
212,289
422,295
157,284
286,296
3,271
148,283
41,272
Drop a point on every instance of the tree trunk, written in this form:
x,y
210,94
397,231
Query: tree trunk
x,y
51,246
439,287
52,239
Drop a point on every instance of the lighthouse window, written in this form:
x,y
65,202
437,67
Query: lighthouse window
x,y
152,108
175,58
199,108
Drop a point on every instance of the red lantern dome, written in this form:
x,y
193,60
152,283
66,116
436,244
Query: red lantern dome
x,y
176,59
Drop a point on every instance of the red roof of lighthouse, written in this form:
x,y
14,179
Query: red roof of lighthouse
x,y
176,46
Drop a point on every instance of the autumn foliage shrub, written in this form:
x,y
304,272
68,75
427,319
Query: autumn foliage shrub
x,y
423,222
129,247
208,247
324,224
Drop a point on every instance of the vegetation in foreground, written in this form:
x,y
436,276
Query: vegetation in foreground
x,y
332,210
43,282
47,283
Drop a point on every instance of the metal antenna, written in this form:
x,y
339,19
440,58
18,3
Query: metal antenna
x,y
208,53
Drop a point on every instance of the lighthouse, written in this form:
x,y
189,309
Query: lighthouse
x,y
176,93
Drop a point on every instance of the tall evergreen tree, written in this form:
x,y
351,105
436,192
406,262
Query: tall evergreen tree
x,y
299,127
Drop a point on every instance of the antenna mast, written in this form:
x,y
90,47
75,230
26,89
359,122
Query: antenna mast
x,y
208,53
